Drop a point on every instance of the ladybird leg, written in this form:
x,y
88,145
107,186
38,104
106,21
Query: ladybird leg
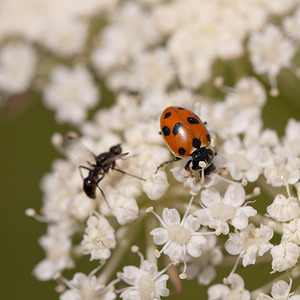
x,y
167,162
187,165
123,172
83,167
210,169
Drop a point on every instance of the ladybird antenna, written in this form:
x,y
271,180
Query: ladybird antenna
x,y
123,172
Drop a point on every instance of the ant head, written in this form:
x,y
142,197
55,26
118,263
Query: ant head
x,y
116,149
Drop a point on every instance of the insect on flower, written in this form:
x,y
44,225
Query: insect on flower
x,y
187,136
101,166
104,162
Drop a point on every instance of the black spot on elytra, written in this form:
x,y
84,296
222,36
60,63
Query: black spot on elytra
x,y
167,115
196,143
181,151
192,120
166,131
181,108
208,137
177,127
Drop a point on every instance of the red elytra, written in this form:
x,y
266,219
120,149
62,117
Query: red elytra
x,y
183,131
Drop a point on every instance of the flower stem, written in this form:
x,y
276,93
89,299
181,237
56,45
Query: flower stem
x,y
125,237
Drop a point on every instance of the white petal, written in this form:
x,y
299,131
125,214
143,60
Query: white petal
x,y
234,244
240,220
103,253
192,223
218,291
79,279
130,294
131,275
193,247
210,196
235,195
207,275
203,215
160,235
236,281
70,295
171,216
280,289
174,251
160,285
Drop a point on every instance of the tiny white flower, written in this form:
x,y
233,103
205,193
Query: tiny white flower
x,y
83,287
291,25
285,256
284,209
220,212
152,71
81,206
249,243
179,237
203,267
283,171
291,231
60,188
235,291
243,162
124,208
99,237
279,7
17,65
280,290
122,41
193,70
70,93
67,36
144,282
57,245
270,51
248,92
156,185
291,138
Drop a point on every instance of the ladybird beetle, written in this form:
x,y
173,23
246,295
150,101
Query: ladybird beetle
x,y
187,136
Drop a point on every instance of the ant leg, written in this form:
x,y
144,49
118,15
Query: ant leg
x,y
167,162
92,165
123,172
103,195
83,167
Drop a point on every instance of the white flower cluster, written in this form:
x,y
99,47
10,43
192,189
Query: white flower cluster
x,y
153,54
221,205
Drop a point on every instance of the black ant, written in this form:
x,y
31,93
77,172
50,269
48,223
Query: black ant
x,y
104,162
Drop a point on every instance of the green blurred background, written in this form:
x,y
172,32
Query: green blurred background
x,y
26,154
